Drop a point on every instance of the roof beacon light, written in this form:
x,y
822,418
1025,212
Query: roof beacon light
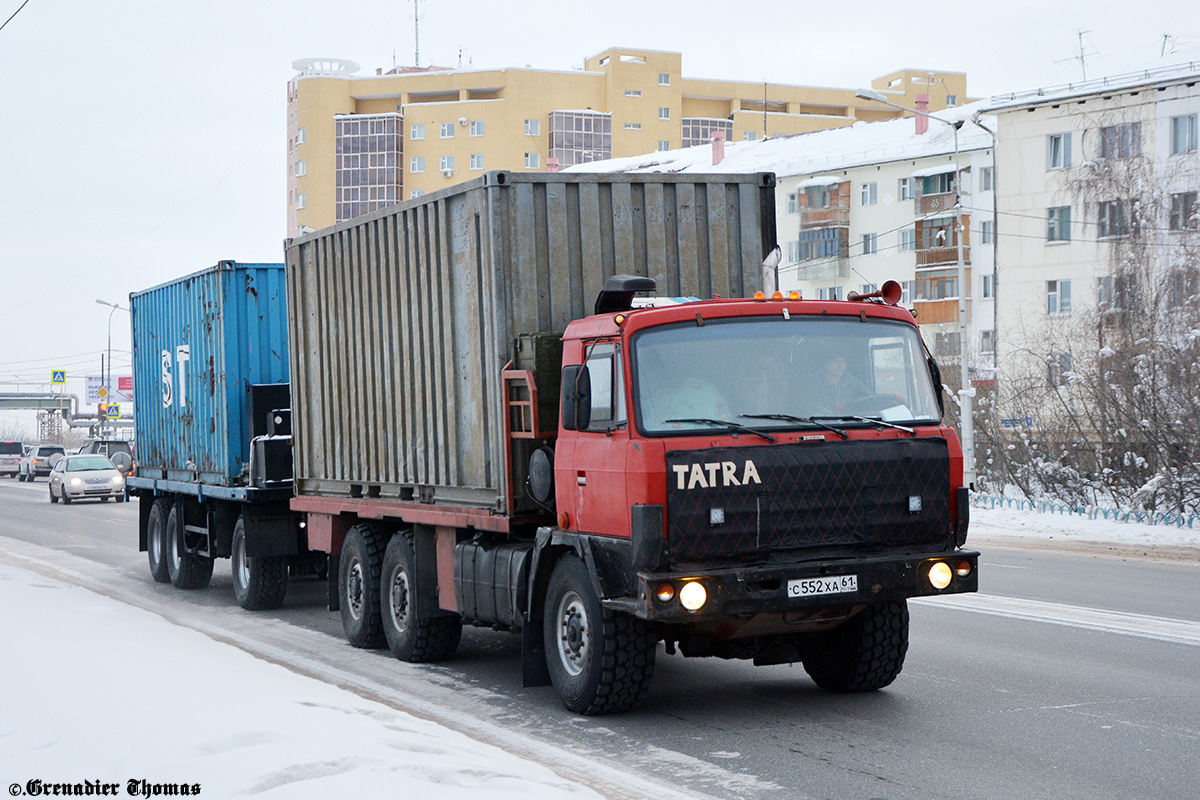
x,y
759,296
794,295
777,296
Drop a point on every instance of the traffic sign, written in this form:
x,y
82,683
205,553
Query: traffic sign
x,y
58,376
112,411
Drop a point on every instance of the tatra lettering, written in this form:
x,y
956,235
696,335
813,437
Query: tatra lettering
x,y
729,474
751,474
712,474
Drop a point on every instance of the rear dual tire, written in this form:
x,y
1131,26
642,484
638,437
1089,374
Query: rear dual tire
x,y
412,635
259,582
186,570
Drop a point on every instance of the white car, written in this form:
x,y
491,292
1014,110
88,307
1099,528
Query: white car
x,y
81,476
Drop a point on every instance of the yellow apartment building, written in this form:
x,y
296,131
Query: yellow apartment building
x,y
360,143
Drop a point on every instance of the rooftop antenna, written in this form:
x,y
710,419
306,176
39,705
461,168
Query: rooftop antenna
x,y
1166,38
1081,57
416,33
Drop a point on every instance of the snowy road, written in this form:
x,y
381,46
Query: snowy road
x,y
1068,676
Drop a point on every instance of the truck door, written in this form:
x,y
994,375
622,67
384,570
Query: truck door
x,y
595,474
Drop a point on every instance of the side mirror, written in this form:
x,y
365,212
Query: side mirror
x,y
576,413
936,374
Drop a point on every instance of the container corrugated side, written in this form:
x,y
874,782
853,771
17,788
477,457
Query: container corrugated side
x,y
402,320
191,417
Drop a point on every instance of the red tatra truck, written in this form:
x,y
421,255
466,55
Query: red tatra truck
x,y
763,478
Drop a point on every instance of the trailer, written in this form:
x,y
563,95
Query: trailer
x,y
487,431
213,473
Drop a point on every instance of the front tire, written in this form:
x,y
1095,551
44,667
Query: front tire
x,y
411,635
600,661
259,582
863,654
53,497
187,570
359,570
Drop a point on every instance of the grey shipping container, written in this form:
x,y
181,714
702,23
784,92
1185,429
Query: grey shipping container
x,y
402,321
199,342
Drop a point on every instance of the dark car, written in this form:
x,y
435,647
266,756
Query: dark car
x,y
39,460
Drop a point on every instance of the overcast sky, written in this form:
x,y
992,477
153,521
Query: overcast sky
x,y
141,141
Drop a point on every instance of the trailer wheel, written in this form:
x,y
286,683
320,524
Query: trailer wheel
x,y
359,571
156,540
863,654
187,570
259,582
412,636
600,661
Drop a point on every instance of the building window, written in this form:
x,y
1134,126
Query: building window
x,y
1058,298
664,79
906,292
477,127
1184,215
906,189
831,293
1058,369
987,179
951,100
939,284
300,200
301,168
664,144
1183,134
1114,219
533,161
793,203
870,193
1058,151
870,244
987,341
633,126
823,243
1121,141
633,93
416,132
987,286
579,137
664,113
477,161
415,193
793,254
947,344
700,130
446,164
1058,224
533,127
416,164
750,136
447,130
986,233
300,138
941,183
818,197
908,239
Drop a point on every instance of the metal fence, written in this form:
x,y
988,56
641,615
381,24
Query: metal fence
x,y
1190,521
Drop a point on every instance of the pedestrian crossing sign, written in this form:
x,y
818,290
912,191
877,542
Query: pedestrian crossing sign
x,y
58,376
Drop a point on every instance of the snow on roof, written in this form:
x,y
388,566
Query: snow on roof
x,y
819,151
1171,67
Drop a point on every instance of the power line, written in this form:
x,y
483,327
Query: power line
x,y
10,19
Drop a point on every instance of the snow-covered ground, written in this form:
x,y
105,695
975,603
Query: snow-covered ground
x,y
96,690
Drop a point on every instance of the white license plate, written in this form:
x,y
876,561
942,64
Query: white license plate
x,y
834,584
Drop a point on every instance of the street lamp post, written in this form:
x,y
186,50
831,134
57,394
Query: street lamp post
x,y
105,382
967,392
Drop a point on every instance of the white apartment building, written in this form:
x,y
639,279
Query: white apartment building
x,y
873,202
1097,211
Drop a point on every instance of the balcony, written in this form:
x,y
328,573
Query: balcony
x,y
934,312
934,203
822,269
941,256
832,216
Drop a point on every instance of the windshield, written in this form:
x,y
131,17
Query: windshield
x,y
10,448
84,463
798,371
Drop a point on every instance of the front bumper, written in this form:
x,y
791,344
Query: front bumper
x,y
85,491
747,591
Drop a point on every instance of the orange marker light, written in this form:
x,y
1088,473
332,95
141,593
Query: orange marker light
x,y
777,296
793,295
759,296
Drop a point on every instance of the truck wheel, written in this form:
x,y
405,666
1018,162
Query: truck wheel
x,y
412,636
259,582
359,571
187,570
863,654
156,540
600,661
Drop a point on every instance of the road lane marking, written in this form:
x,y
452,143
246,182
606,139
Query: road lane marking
x,y
1162,629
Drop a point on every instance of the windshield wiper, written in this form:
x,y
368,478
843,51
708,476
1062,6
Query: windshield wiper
x,y
879,423
800,420
729,426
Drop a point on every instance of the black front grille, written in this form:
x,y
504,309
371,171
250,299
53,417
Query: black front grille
x,y
820,496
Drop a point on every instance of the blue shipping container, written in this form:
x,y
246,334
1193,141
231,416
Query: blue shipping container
x,y
199,342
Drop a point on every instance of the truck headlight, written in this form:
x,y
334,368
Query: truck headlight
x,y
693,595
940,575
